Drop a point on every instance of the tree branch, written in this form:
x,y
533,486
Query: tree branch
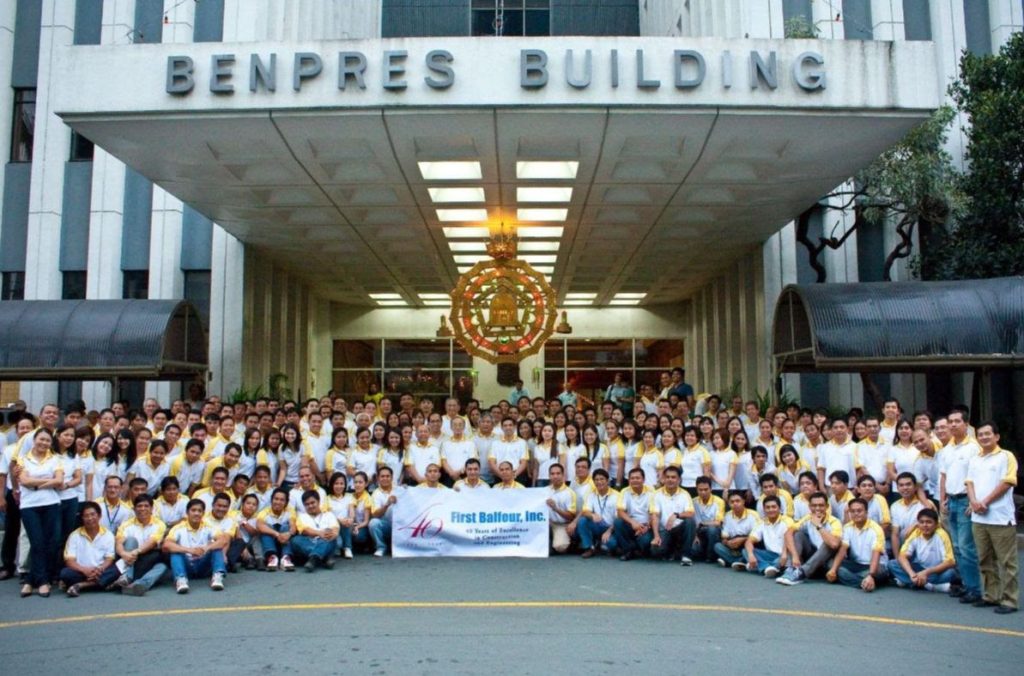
x,y
905,229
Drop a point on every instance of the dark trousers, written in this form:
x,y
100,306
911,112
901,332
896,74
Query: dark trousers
x,y
43,527
68,518
12,530
70,576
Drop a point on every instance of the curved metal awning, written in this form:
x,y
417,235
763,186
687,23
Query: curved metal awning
x,y
100,340
899,326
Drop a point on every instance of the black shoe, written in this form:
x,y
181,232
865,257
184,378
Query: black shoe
x,y
1005,610
311,563
329,562
234,568
628,556
957,591
981,603
970,597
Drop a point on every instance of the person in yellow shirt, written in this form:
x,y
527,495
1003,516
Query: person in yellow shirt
x,y
277,526
672,520
633,531
507,476
138,546
774,554
925,560
860,562
710,512
88,554
878,507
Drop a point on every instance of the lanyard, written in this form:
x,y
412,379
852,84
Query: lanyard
x,y
110,518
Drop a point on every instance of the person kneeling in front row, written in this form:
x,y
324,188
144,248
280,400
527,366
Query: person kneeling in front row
x,y
196,549
925,560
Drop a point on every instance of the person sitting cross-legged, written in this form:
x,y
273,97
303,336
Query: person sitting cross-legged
x,y
738,524
196,549
316,542
860,561
88,554
773,555
925,560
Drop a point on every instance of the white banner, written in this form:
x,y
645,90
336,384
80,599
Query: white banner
x,y
481,523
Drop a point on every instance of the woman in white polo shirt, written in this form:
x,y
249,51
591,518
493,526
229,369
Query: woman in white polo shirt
x,y
40,476
66,448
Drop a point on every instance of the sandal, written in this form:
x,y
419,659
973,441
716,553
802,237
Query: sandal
x,y
44,590
74,590
26,590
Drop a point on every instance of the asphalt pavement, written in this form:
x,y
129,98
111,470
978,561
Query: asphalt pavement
x,y
525,616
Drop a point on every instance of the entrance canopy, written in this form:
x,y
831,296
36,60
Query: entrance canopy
x,y
100,340
900,326
629,165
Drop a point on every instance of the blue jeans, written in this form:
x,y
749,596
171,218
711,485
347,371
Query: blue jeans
x,y
730,556
306,547
190,567
765,559
677,542
590,534
963,544
42,525
380,530
272,547
709,537
628,541
148,567
70,576
851,573
900,575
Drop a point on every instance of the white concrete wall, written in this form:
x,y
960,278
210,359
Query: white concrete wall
x,y
259,20
7,15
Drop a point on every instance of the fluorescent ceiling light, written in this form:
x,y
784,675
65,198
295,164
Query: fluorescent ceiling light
x,y
535,258
577,302
539,246
442,195
629,296
470,259
463,269
434,296
540,214
545,269
386,296
468,233
531,194
393,303
560,170
468,246
450,171
581,296
449,215
437,303
621,301
539,232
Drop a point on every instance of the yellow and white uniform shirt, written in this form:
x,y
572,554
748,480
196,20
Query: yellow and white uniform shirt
x,y
601,508
113,515
773,534
835,457
463,486
637,505
665,505
315,448
904,515
864,542
904,459
268,458
220,462
652,461
953,460
790,478
421,456
694,459
153,531
45,468
390,458
170,513
832,524
295,498
186,536
617,451
285,519
364,460
514,451
290,461
90,552
582,489
335,461
739,526
187,473
837,504
322,521
928,552
564,498
801,507
878,511
711,511
874,457
144,469
380,498
543,456
986,471
786,499
227,525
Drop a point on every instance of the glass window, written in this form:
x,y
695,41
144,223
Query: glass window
x,y
427,354
81,148
357,354
197,291
353,384
23,125
13,286
591,365
600,353
659,354
73,284
510,17
135,284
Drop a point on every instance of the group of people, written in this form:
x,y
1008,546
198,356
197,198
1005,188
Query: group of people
x,y
121,499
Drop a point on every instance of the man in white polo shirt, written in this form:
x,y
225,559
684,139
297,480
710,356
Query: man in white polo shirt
x,y
771,533
89,554
925,560
561,502
953,460
991,476
672,520
509,448
861,560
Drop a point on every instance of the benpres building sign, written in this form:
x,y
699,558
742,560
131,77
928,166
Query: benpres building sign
x,y
397,70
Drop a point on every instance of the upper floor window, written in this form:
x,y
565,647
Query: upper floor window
x,y
24,125
513,18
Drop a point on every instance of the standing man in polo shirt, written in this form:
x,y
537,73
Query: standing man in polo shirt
x,y
991,476
953,461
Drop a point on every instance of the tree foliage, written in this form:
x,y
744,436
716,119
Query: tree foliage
x,y
986,238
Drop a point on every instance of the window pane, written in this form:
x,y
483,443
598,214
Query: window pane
x,y
600,353
417,353
463,387
357,354
23,125
461,359
435,384
538,23
483,23
73,285
554,354
81,147
135,284
197,291
13,286
653,353
352,385
512,23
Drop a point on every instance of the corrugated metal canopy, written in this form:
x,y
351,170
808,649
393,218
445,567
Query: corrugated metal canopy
x,y
100,339
900,326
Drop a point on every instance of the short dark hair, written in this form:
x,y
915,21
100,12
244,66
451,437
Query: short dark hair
x,y
701,480
310,494
89,504
928,513
906,475
773,498
601,471
841,475
143,498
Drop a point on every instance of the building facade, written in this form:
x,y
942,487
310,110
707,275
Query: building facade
x,y
270,160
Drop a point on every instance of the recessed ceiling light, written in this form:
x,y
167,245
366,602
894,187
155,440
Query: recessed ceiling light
x,y
443,195
541,214
581,296
463,269
545,269
532,194
560,170
392,303
467,246
467,233
539,246
386,296
450,171
622,301
470,259
437,303
434,296
577,302
449,215
630,296
539,258
538,232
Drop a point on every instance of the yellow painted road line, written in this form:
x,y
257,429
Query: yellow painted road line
x,y
490,605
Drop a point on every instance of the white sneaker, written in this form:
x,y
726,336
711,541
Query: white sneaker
x,y
686,561
286,564
181,585
122,581
378,553
348,553
771,572
722,563
217,582
739,565
272,563
942,587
